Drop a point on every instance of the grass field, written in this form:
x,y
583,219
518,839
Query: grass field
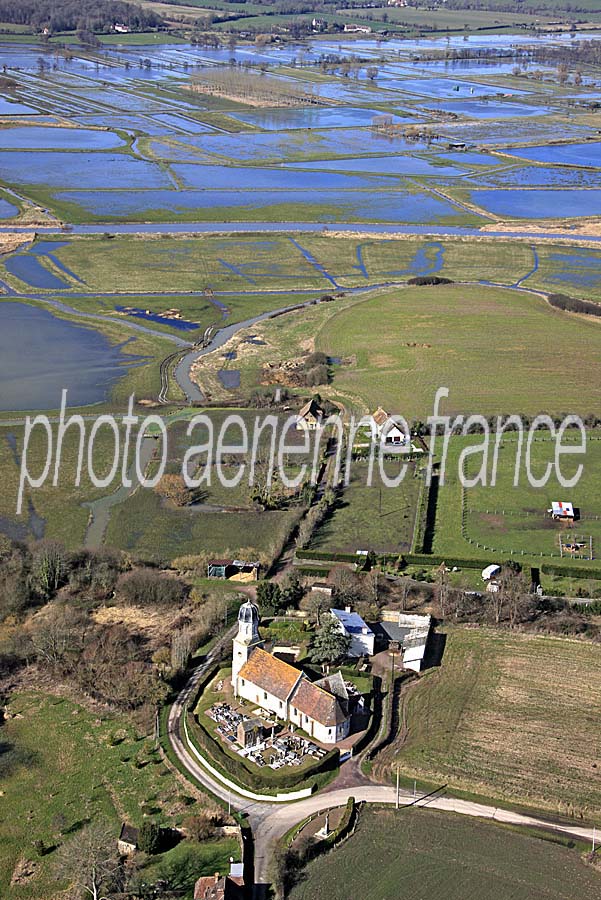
x,y
504,519
372,517
510,716
63,766
416,854
408,342
144,527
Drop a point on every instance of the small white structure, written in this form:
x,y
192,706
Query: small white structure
x,y
561,510
351,624
489,571
121,28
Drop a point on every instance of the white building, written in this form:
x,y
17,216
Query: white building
x,y
281,689
410,632
361,635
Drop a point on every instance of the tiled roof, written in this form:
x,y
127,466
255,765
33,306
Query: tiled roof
x,y
334,684
270,674
311,406
211,887
380,416
318,704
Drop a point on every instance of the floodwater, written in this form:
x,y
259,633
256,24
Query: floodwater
x,y
587,154
491,109
327,207
37,138
382,165
80,170
40,354
279,119
539,204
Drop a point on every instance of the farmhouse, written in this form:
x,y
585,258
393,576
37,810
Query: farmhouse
x,y
383,426
281,689
351,624
309,416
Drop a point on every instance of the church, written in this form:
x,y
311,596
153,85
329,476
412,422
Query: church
x,y
320,708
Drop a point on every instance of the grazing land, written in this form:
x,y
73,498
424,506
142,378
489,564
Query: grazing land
x,y
507,520
406,343
512,716
64,766
417,854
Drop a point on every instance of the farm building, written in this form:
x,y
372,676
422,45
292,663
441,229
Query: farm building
x,y
383,425
127,842
560,510
309,416
281,689
233,570
351,624
410,632
219,887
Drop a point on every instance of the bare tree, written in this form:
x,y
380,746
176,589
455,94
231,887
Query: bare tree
x,y
442,588
90,862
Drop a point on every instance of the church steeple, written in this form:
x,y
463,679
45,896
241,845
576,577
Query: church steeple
x,y
247,639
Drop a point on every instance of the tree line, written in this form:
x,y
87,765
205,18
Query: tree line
x,y
77,15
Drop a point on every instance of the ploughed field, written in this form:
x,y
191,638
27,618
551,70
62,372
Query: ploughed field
x,y
512,716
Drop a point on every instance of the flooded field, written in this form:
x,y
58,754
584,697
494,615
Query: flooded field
x,y
41,354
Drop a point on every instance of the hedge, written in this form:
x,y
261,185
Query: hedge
x,y
330,556
569,571
313,571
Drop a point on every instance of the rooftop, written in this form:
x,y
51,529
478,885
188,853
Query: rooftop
x,y
318,704
270,674
352,621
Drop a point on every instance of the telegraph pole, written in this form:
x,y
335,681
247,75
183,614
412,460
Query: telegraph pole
x,y
397,787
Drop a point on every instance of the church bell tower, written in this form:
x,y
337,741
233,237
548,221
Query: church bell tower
x,y
247,639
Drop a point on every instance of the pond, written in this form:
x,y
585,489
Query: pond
x,y
26,266
41,354
39,138
442,87
581,154
14,108
83,170
313,117
288,145
539,204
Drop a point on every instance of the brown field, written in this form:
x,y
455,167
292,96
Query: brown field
x,y
510,715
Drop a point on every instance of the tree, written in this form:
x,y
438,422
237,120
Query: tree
x,y
181,649
269,597
330,644
90,862
48,568
441,589
151,837
200,827
372,72
174,489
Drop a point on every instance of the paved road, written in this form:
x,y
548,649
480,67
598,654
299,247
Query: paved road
x,y
269,821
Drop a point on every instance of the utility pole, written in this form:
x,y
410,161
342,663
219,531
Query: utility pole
x,y
397,787
594,838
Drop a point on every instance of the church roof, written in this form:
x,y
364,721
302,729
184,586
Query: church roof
x,y
270,674
318,704
334,684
